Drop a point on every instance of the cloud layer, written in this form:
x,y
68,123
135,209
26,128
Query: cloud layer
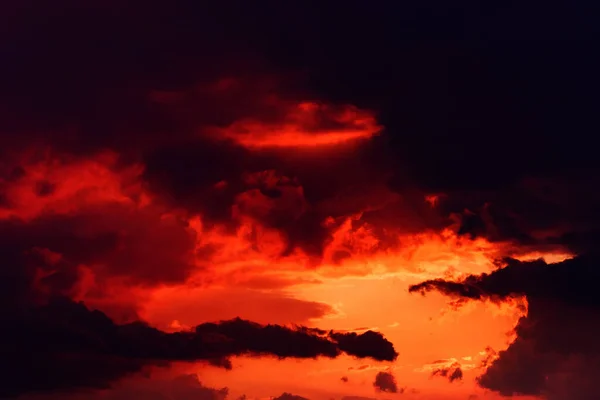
x,y
235,151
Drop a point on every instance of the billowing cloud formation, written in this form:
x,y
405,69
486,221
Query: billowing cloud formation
x,y
88,233
142,156
88,220
555,352
385,382
63,345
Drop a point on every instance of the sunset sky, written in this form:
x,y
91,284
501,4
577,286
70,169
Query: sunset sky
x,y
298,200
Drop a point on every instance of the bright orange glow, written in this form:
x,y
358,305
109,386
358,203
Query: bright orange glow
x,y
365,291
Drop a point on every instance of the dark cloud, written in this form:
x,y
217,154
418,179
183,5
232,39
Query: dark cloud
x,y
182,387
571,281
555,353
146,90
534,211
385,382
82,101
445,91
63,345
453,372
147,386
48,255
365,343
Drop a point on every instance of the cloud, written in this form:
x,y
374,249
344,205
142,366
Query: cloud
x,y
453,373
143,156
554,353
232,185
91,253
305,125
94,215
385,382
365,343
536,279
63,345
183,387
97,216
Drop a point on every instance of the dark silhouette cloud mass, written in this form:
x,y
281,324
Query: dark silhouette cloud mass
x,y
452,373
63,345
555,353
385,382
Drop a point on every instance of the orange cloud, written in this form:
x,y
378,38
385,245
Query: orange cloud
x,y
191,306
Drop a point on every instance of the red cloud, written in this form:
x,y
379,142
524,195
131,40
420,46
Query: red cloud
x,y
304,125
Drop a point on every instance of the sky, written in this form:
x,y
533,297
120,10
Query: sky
x,y
298,200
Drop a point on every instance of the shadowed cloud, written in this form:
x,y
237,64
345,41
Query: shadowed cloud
x,y
452,373
386,382
63,345
555,353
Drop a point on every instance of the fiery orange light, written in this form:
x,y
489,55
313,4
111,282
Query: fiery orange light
x,y
359,281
